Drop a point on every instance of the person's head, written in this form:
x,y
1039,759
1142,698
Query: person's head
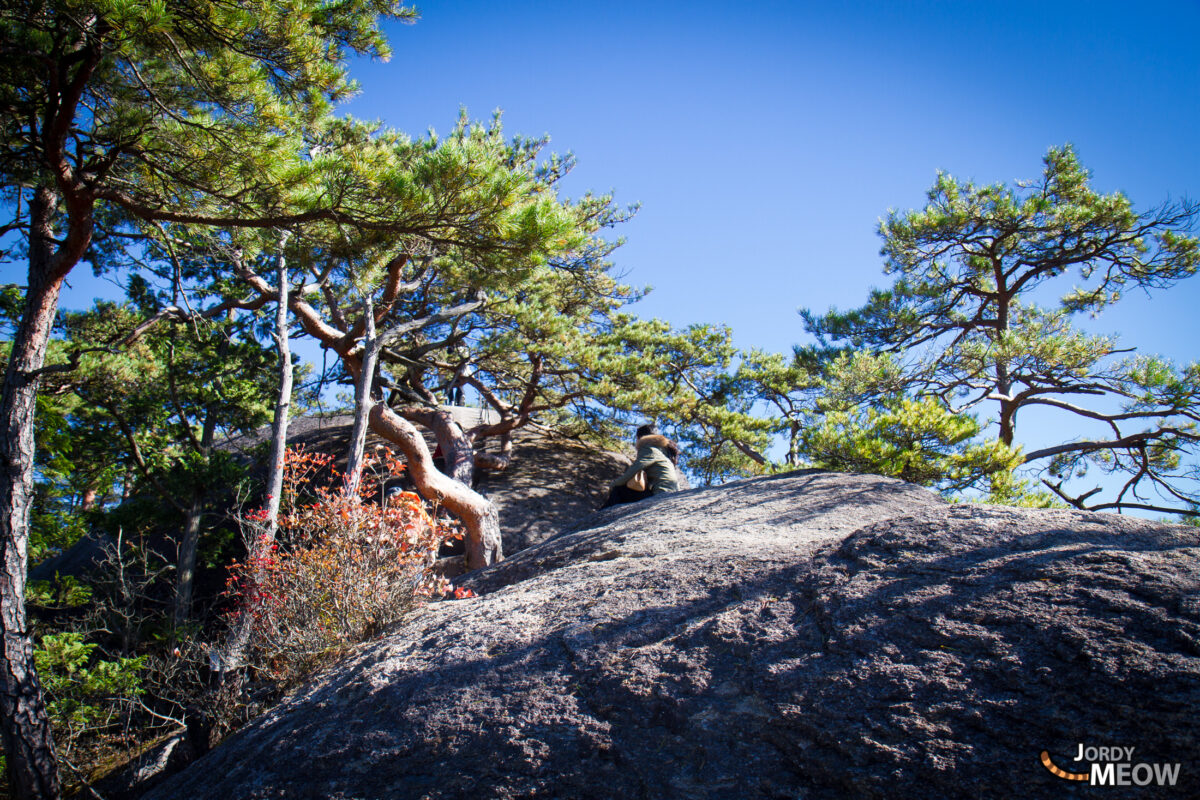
x,y
646,430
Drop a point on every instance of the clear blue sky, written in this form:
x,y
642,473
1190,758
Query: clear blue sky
x,y
764,140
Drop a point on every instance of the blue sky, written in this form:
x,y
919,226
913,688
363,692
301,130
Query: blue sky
x,y
764,140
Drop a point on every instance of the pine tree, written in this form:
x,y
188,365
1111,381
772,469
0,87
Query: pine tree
x,y
976,271
175,111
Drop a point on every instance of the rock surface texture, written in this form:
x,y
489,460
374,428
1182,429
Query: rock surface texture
x,y
813,635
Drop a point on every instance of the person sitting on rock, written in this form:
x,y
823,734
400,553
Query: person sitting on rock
x,y
651,473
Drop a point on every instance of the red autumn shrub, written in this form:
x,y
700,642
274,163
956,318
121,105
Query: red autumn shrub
x,y
339,569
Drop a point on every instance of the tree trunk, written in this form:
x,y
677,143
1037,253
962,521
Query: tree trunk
x,y
1008,408
283,403
363,389
497,462
478,514
1008,416
230,657
185,579
458,449
28,740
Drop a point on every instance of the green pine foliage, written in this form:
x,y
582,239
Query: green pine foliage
x,y
919,441
189,104
130,420
987,282
84,690
849,411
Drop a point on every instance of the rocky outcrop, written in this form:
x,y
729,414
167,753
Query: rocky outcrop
x,y
813,635
551,484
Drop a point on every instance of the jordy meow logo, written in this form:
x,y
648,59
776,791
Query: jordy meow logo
x,y
1112,766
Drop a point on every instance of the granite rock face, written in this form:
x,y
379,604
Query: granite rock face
x,y
813,635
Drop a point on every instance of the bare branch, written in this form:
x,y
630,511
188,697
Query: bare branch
x,y
454,312
1132,440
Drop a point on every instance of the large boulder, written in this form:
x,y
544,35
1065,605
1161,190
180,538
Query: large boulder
x,y
814,635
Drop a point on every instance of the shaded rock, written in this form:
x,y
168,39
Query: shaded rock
x,y
813,635
81,558
551,485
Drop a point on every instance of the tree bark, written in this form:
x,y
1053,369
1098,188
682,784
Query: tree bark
x,y
497,462
28,739
185,579
1008,409
458,449
283,403
231,656
1008,418
185,563
363,390
478,515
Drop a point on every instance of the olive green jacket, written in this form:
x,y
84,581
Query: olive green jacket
x,y
652,457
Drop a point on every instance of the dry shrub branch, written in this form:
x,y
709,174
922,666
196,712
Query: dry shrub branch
x,y
339,568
